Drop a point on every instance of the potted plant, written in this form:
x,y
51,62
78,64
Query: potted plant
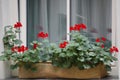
x,y
20,55
88,56
75,58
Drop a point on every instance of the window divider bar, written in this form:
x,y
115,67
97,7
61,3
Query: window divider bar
x,y
68,19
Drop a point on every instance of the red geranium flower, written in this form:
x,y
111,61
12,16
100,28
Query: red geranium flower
x,y
63,45
65,42
23,48
19,49
77,27
46,35
111,50
42,35
98,40
12,49
103,38
17,25
35,46
114,49
102,46
71,28
83,26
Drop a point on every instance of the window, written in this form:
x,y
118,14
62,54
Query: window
x,y
96,14
48,16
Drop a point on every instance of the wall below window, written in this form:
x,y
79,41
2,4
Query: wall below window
x,y
8,16
117,8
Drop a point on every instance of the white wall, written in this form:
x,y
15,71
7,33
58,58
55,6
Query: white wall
x,y
8,16
118,31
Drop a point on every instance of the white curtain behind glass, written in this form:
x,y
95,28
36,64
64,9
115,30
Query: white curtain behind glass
x,y
96,14
48,16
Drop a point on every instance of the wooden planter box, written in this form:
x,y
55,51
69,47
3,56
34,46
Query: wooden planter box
x,y
46,70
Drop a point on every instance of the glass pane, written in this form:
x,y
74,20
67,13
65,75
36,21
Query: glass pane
x,y
96,14
48,16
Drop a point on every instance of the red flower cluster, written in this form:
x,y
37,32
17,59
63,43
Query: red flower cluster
x,y
63,45
114,49
35,45
42,35
77,27
98,40
101,39
19,49
17,25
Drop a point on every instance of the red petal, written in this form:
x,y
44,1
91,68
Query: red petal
x,y
83,26
77,27
111,50
15,26
19,24
46,34
65,42
71,28
102,46
12,49
103,38
98,40
62,45
19,50
115,49
35,46
26,48
22,48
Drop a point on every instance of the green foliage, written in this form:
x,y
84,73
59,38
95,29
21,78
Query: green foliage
x,y
9,38
27,58
81,52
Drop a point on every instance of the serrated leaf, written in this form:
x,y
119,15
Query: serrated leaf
x,y
17,41
62,55
69,54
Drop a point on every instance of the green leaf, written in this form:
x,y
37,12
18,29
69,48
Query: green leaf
x,y
81,59
108,68
66,65
91,54
17,31
3,58
45,41
15,66
69,54
80,48
86,66
114,58
17,41
62,55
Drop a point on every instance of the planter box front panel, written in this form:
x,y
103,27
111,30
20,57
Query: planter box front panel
x,y
47,70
